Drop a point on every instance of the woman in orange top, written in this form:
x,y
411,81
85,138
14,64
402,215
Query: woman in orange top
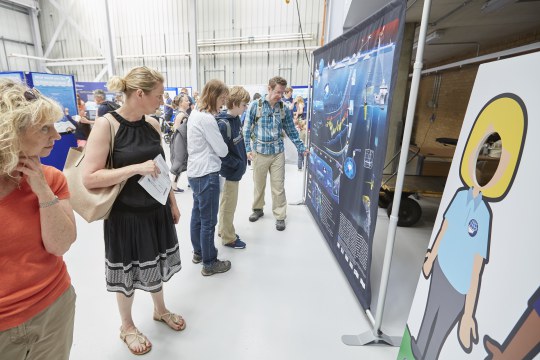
x,y
37,301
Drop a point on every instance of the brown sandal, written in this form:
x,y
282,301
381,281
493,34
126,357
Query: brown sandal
x,y
136,337
170,318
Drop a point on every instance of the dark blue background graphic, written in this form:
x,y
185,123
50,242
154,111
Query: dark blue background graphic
x,y
354,77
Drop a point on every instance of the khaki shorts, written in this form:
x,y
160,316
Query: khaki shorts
x,y
48,335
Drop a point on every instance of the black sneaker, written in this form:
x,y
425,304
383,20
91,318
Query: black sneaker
x,y
257,213
280,225
236,244
178,190
217,267
197,258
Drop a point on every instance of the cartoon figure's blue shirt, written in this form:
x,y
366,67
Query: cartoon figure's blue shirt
x,y
466,236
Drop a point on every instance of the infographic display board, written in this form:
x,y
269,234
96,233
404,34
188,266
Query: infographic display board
x,y
62,89
86,90
478,295
58,87
353,83
12,75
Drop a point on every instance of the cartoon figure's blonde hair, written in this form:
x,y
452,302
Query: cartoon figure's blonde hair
x,y
506,115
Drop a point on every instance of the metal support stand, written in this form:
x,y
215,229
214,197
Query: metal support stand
x,y
370,338
376,336
310,91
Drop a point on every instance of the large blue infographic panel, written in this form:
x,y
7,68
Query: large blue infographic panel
x,y
354,78
58,87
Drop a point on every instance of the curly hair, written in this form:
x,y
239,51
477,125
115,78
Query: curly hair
x,y
277,80
21,108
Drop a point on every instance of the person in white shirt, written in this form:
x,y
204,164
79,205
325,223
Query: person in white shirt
x,y
205,148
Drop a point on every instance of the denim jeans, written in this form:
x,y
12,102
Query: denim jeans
x,y
300,161
204,216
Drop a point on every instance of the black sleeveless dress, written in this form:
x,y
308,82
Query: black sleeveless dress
x,y
141,245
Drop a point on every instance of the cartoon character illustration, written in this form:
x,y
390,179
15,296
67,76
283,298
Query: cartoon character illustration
x,y
524,339
460,251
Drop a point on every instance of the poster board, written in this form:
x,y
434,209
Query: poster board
x,y
481,275
86,92
13,75
56,86
352,92
62,89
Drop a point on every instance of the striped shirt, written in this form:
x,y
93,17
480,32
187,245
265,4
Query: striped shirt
x,y
267,130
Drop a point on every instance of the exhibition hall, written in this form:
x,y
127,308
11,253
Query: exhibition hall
x,y
269,179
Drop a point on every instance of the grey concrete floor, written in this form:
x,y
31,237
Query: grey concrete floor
x,y
284,298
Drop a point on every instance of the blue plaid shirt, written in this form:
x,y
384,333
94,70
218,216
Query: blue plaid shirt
x,y
268,128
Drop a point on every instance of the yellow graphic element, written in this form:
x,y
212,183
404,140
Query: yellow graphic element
x,y
371,183
506,117
366,200
365,111
334,129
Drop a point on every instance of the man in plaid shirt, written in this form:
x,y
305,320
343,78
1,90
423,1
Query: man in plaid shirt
x,y
265,122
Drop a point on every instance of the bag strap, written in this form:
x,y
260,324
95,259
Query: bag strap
x,y
227,126
109,163
259,111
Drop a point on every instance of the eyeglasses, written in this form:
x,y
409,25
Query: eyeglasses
x,y
31,94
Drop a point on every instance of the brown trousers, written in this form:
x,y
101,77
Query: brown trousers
x,y
48,335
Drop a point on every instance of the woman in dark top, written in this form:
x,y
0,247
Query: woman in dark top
x,y
141,245
81,127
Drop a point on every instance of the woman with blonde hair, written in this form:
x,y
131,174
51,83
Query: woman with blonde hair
x,y
205,148
299,113
300,123
37,301
141,245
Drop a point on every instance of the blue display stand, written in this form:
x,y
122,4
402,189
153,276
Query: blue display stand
x,y
62,89
58,155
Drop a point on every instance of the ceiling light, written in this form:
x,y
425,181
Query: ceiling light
x,y
437,34
494,5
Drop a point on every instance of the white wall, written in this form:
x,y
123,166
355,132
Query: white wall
x,y
337,10
162,27
16,37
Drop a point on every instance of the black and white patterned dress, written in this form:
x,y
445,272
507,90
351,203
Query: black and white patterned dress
x,y
141,245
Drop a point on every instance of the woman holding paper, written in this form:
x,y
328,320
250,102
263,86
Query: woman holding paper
x,y
141,245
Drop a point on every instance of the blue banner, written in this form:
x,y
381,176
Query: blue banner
x,y
353,82
58,87
62,89
13,75
86,89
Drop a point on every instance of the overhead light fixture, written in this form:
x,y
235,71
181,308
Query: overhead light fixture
x,y
437,34
494,5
